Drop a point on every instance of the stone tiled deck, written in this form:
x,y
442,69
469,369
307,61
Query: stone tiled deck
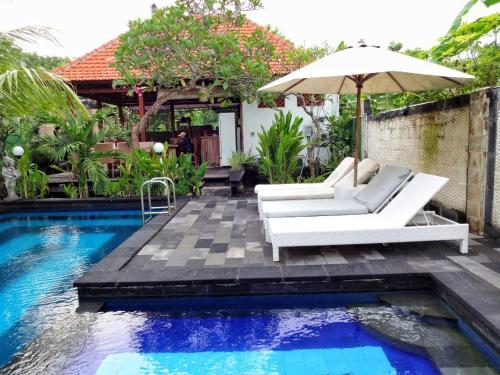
x,y
218,247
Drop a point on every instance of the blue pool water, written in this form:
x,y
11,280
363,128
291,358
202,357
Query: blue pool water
x,y
290,335
41,254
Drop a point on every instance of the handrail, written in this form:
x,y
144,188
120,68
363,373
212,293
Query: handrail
x,y
155,210
171,182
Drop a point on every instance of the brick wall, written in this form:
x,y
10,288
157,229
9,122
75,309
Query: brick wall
x,y
447,138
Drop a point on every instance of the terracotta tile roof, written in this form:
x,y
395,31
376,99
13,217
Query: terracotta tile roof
x,y
96,65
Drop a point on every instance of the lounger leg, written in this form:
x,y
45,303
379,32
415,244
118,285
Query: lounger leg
x,y
276,253
265,224
464,245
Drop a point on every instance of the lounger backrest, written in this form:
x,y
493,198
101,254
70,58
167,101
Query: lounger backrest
x,y
382,186
366,169
342,169
419,191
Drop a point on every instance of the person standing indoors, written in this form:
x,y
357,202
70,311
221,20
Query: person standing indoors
x,y
185,144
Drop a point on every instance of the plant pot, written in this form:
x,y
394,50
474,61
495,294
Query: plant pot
x,y
236,176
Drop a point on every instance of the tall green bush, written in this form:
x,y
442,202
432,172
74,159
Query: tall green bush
x,y
140,166
279,148
73,144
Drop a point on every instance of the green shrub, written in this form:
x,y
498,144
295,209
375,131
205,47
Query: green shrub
x,y
279,148
140,166
70,190
239,159
33,182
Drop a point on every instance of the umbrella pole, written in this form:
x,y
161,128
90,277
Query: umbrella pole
x,y
359,86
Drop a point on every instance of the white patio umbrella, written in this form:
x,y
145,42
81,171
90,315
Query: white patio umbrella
x,y
369,69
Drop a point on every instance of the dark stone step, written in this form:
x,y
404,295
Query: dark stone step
x,y
216,191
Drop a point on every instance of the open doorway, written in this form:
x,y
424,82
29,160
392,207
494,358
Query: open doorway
x,y
213,132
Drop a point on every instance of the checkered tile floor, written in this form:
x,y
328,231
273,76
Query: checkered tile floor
x,y
229,233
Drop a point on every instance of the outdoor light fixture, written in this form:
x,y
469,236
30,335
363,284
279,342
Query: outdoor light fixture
x,y
158,148
18,151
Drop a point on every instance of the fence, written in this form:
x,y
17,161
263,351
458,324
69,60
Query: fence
x,y
456,138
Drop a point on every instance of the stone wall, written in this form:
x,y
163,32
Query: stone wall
x,y
494,169
447,138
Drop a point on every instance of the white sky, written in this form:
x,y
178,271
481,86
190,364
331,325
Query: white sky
x,y
86,24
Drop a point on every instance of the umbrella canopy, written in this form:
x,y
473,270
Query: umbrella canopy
x,y
390,72
369,69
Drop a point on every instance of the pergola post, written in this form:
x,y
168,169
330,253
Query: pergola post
x,y
142,136
121,117
172,117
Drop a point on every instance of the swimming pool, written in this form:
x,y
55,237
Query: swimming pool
x,y
356,334
41,254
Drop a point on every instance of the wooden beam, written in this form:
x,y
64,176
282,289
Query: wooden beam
x,y
121,117
100,90
172,117
141,115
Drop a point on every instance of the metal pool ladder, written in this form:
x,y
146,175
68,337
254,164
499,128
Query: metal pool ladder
x,y
167,183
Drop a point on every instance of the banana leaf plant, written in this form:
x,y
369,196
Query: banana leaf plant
x,y
74,142
279,148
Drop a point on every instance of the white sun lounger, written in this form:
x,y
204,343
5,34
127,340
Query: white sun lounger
x,y
402,220
342,169
371,199
366,169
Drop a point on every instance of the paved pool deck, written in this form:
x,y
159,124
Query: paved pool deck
x,y
217,248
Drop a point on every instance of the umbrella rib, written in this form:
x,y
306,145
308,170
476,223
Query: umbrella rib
x,y
452,80
341,85
295,84
395,80
369,76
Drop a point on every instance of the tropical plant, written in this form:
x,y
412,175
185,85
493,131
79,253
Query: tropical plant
x,y
462,35
34,60
70,190
238,159
314,108
74,143
26,90
33,182
339,139
279,148
312,180
23,90
140,166
194,45
189,176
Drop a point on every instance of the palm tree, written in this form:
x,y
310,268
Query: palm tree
x,y
74,143
30,91
26,91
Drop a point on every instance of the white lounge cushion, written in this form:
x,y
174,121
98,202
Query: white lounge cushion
x,y
280,187
382,186
342,169
366,169
396,214
318,225
312,207
293,194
